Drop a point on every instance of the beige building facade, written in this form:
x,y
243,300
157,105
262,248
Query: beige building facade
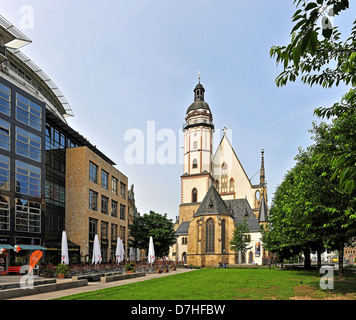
x,y
96,203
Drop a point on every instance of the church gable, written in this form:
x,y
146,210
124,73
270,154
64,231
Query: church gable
x,y
231,180
212,204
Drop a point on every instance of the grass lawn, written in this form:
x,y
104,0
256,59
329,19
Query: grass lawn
x,y
230,284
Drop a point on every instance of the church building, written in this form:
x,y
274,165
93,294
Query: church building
x,y
216,195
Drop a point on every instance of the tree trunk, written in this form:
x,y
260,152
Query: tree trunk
x,y
341,262
307,262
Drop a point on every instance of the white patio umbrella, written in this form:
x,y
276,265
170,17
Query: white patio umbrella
x,y
138,254
122,251
151,252
118,252
132,254
96,251
64,249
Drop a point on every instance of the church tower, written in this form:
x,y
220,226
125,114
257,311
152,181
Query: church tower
x,y
197,167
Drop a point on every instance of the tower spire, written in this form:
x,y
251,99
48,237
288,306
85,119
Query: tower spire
x,y
262,171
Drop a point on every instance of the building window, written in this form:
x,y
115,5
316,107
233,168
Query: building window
x,y
122,212
28,179
224,186
194,195
195,145
5,135
123,190
5,104
113,185
4,172
27,216
104,179
93,228
93,200
28,112
4,213
195,164
122,233
93,172
104,230
232,185
114,208
28,144
104,204
113,232
210,236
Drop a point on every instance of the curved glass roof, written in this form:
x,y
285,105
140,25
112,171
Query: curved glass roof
x,y
13,39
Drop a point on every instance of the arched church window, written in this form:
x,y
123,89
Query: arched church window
x,y
257,196
216,184
194,195
210,236
232,185
224,186
223,248
195,145
250,257
195,164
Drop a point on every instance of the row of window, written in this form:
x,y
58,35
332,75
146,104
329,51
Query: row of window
x,y
93,205
57,140
26,111
93,176
27,144
104,228
27,177
27,215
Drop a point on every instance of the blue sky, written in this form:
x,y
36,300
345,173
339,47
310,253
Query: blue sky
x,y
122,63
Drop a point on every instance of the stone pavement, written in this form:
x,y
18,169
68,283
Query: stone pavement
x,y
92,286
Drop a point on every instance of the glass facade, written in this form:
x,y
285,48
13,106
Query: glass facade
x,y
28,112
5,99
5,129
4,172
27,216
4,213
28,179
28,144
22,168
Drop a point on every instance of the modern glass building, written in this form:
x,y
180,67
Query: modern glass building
x,y
34,139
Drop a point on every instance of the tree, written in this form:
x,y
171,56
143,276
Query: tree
x,y
309,212
240,240
156,225
318,56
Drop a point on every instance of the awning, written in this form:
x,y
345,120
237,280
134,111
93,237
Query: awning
x,y
6,246
30,247
56,246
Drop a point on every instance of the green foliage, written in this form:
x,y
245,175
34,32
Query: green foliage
x,y
156,225
62,269
240,241
309,211
317,55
